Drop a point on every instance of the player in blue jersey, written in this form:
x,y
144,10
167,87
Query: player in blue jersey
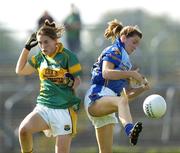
x,y
110,91
59,73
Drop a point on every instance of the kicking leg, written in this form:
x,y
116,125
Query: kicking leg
x,y
111,104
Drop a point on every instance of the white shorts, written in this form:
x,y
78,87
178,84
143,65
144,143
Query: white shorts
x,y
60,121
104,120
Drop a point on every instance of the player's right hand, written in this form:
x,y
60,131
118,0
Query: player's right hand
x,y
138,77
69,79
31,42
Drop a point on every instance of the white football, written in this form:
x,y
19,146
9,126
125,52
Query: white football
x,y
154,106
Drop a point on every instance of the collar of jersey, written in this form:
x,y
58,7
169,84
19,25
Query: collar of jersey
x,y
119,43
59,49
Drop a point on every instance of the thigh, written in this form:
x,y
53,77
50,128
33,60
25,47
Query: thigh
x,y
104,136
33,122
98,121
103,120
63,143
105,105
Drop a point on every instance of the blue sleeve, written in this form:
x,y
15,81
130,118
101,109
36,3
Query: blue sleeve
x,y
114,57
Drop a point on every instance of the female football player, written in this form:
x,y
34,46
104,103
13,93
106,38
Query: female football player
x,y
59,72
109,92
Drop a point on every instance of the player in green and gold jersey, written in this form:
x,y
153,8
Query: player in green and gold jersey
x,y
59,73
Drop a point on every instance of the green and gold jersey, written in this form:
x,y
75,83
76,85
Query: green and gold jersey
x,y
53,92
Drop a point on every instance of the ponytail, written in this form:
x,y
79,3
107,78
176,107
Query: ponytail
x,y
113,30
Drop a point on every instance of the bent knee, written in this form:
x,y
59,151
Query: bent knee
x,y
92,111
23,130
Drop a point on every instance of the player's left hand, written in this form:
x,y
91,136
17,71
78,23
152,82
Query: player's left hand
x,y
76,107
69,79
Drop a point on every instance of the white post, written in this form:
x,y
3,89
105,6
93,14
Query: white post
x,y
155,43
166,129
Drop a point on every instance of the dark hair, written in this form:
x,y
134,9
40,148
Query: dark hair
x,y
51,30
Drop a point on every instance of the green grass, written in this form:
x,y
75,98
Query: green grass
x,y
44,145
131,150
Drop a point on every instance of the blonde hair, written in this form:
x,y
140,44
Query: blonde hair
x,y
51,30
113,30
130,31
116,29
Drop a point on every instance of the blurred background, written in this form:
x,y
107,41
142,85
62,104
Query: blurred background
x,y
157,57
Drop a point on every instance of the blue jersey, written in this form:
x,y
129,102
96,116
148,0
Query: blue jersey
x,y
117,55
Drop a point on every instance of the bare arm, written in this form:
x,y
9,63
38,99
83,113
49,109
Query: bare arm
x,y
22,66
134,92
110,73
